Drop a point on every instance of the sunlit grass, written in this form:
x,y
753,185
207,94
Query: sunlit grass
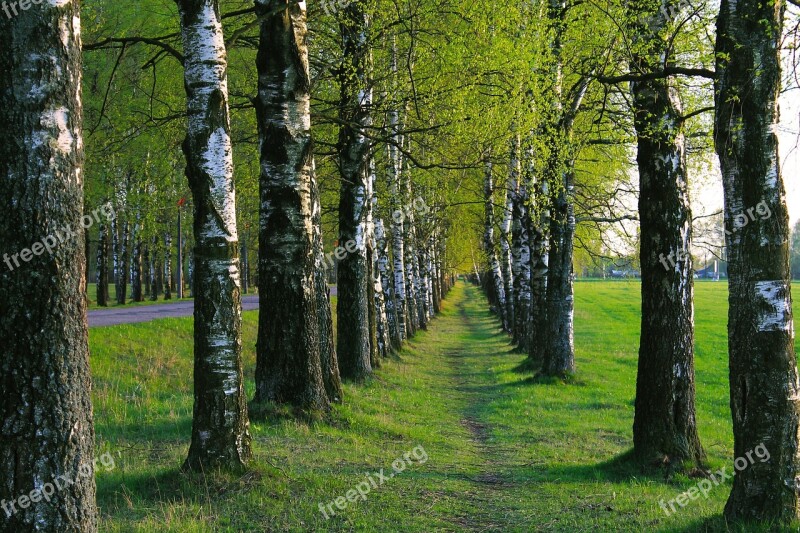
x,y
506,453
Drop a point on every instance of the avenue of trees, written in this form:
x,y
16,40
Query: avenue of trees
x,y
384,146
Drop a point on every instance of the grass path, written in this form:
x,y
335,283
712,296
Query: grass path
x,y
504,452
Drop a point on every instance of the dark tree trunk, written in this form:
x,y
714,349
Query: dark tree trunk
x,y
220,427
102,266
138,272
168,266
327,337
289,368
155,269
245,266
354,283
763,366
664,426
123,262
559,354
146,267
46,410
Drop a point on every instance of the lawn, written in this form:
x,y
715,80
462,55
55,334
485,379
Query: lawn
x,y
504,452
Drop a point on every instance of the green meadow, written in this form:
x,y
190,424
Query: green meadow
x,y
505,452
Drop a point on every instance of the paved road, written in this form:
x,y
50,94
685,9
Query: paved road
x,y
146,313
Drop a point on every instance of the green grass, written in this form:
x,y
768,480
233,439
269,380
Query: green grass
x,y
505,453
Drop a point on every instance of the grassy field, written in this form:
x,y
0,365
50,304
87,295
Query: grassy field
x,y
504,452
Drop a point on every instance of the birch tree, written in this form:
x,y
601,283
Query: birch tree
x,y
664,426
47,429
354,303
289,361
763,367
220,426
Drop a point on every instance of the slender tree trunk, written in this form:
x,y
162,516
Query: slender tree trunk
x,y
386,274
354,303
411,294
522,235
220,427
146,268
124,263
102,266
495,274
382,307
138,274
179,270
664,426
506,257
327,337
372,261
395,168
154,271
47,430
168,266
289,365
763,366
245,266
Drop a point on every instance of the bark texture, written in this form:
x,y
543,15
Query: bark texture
x,y
220,427
664,425
763,367
354,284
46,428
289,365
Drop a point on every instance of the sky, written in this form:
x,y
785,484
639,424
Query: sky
x,y
708,198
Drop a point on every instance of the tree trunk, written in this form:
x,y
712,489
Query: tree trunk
x,y
763,366
539,268
124,263
138,274
220,428
154,271
382,306
168,266
102,266
146,270
372,261
559,357
245,267
395,168
354,303
289,366
664,426
327,337
506,258
47,432
521,244
495,277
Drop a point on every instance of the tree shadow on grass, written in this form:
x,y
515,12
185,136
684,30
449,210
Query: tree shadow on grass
x,y
718,524
623,468
147,489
